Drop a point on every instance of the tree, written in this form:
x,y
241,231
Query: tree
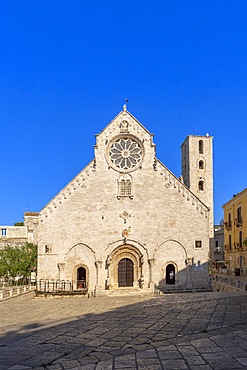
x,y
19,224
18,261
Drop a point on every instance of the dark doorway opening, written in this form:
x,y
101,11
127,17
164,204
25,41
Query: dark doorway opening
x,y
81,278
170,274
125,272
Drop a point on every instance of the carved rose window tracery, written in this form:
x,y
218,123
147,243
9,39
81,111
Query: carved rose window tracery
x,y
125,153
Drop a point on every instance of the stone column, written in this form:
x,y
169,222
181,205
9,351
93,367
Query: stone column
x,y
61,271
108,280
98,265
151,265
141,280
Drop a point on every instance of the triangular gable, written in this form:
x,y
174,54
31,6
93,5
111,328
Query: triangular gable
x,y
131,115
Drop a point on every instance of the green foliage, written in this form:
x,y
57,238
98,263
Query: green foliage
x,y
19,224
18,261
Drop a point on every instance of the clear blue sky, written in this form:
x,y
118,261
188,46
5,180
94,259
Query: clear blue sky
x,y
66,68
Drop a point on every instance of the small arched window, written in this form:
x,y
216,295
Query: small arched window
x,y
201,165
200,146
201,185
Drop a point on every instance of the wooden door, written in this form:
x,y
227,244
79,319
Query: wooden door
x,y
125,272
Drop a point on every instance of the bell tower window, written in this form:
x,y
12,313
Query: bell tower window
x,y
201,165
201,185
200,146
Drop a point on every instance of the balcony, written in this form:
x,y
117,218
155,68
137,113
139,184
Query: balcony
x,y
228,225
238,222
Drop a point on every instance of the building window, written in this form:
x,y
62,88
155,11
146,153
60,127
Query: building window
x,y
198,244
240,239
201,185
230,242
216,246
125,186
3,232
47,249
201,165
200,146
228,223
239,216
230,219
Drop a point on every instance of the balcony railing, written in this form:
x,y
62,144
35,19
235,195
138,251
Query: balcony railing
x,y
238,221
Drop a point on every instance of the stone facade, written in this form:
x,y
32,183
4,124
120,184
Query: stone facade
x,y
126,221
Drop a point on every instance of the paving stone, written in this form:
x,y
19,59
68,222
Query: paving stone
x,y
224,365
236,351
19,367
174,364
186,350
146,354
69,364
42,359
216,355
54,367
242,360
87,367
169,355
201,367
124,364
148,361
194,360
104,365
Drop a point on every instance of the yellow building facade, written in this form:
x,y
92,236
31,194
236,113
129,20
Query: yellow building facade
x,y
235,232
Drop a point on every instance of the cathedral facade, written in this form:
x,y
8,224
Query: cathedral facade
x,y
125,221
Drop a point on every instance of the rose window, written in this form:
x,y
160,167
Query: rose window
x,y
126,153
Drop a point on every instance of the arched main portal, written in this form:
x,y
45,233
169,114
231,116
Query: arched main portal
x,y
125,272
170,274
81,278
125,265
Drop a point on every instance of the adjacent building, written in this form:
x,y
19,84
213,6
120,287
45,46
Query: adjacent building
x,y
17,236
235,232
218,259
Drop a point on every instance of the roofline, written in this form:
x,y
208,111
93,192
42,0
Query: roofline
x,y
202,136
131,115
237,196
186,187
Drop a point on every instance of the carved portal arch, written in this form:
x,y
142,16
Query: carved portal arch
x,y
115,259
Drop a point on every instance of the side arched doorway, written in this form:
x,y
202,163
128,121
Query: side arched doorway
x,y
125,272
81,278
170,274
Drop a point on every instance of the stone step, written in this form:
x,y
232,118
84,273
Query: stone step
x,y
165,290
126,292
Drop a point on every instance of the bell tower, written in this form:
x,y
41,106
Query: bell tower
x,y
197,168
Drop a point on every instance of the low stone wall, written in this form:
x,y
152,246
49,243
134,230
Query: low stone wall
x,y
14,291
222,287
228,282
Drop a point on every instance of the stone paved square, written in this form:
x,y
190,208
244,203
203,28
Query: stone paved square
x,y
131,332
